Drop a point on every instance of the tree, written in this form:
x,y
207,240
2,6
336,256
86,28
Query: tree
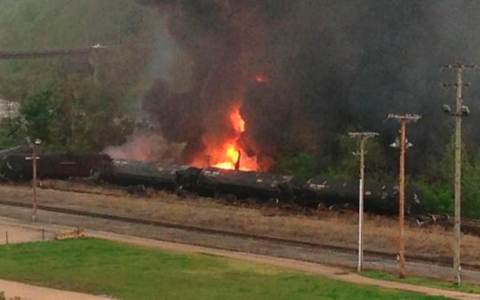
x,y
12,131
471,189
38,113
302,165
437,184
376,166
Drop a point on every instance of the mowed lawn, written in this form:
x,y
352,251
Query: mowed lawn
x,y
474,289
130,272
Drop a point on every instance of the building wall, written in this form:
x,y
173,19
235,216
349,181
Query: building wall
x,y
9,109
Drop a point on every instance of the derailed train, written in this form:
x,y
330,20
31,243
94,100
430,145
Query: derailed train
x,y
379,198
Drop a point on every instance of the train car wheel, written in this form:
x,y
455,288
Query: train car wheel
x,y
96,175
321,206
180,192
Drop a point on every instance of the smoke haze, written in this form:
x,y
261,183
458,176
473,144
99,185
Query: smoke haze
x,y
330,67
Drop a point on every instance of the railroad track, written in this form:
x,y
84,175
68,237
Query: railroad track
x,y
469,226
438,260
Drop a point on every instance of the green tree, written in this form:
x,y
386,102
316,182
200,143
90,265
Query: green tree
x,y
12,132
471,189
74,113
302,165
38,112
437,183
376,167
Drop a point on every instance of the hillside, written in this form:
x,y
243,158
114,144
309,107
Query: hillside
x,y
27,25
78,110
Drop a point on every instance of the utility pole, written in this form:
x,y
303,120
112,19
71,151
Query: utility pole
x,y
363,137
403,145
34,159
95,59
461,111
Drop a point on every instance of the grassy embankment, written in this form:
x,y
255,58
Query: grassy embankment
x,y
130,272
475,289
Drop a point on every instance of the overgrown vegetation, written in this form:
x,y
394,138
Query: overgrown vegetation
x,y
129,272
74,116
436,185
307,165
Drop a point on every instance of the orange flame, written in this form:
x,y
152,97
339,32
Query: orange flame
x,y
230,155
237,121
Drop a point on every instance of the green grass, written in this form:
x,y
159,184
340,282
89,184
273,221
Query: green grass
x,y
130,272
474,289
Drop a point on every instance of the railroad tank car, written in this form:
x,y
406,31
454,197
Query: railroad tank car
x,y
379,197
187,180
52,165
162,175
15,150
244,184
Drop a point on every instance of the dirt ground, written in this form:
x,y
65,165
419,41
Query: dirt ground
x,y
31,292
336,228
15,234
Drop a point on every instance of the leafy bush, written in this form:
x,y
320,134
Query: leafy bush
x,y
38,112
471,189
302,165
437,198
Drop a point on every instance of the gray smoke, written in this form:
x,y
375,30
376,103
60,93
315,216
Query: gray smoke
x,y
333,66
164,52
146,146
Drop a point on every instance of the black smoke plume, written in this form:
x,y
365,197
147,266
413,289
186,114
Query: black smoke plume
x,y
332,67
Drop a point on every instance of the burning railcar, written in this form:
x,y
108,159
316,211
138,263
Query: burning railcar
x,y
211,181
245,184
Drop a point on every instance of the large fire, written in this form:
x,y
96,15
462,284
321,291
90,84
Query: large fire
x,y
229,155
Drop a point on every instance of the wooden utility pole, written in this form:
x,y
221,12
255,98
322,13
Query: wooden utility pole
x,y
401,193
460,111
363,136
